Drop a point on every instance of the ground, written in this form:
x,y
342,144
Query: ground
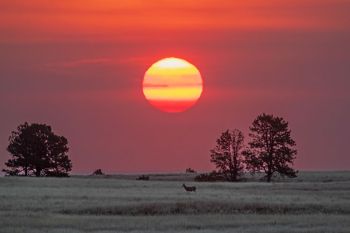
x,y
313,202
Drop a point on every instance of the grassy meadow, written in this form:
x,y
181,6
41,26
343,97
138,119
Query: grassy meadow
x,y
313,202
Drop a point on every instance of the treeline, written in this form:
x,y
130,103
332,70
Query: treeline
x,y
37,151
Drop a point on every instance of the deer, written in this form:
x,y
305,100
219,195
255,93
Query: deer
x,y
189,188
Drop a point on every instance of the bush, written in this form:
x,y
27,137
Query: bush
x,y
56,174
190,170
210,177
98,172
143,177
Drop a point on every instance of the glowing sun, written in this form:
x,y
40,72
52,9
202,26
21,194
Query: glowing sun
x,y
172,85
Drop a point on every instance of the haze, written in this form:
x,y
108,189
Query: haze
x,y
79,66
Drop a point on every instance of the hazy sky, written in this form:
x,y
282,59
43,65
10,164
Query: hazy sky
x,y
78,66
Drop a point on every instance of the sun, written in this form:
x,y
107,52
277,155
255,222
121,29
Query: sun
x,y
172,85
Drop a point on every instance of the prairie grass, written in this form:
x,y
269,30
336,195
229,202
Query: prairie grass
x,y
314,202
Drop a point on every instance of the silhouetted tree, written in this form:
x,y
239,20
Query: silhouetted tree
x,y
35,149
271,147
227,154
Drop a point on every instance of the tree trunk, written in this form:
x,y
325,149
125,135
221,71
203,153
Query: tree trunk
x,y
25,171
269,168
269,173
235,167
269,177
37,172
234,176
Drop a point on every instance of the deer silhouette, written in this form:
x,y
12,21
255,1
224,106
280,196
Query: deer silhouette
x,y
189,188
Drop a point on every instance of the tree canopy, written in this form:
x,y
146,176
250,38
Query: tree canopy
x,y
36,150
227,154
272,150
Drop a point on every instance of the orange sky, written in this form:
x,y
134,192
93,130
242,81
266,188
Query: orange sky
x,y
52,20
79,66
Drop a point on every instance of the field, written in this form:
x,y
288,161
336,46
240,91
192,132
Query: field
x,y
313,202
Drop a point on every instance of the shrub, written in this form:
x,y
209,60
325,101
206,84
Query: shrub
x,y
98,172
210,177
142,177
190,170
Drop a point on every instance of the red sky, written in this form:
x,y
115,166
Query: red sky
x,y
78,66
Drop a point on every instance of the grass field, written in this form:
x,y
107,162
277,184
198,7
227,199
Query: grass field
x,y
313,202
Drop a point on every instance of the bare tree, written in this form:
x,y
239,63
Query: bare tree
x,y
227,154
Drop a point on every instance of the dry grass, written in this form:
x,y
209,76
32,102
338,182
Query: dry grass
x,y
315,202
209,207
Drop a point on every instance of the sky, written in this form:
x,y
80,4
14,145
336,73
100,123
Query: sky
x,y
79,65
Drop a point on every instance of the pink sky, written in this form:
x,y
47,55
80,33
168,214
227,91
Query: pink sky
x,y
79,65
